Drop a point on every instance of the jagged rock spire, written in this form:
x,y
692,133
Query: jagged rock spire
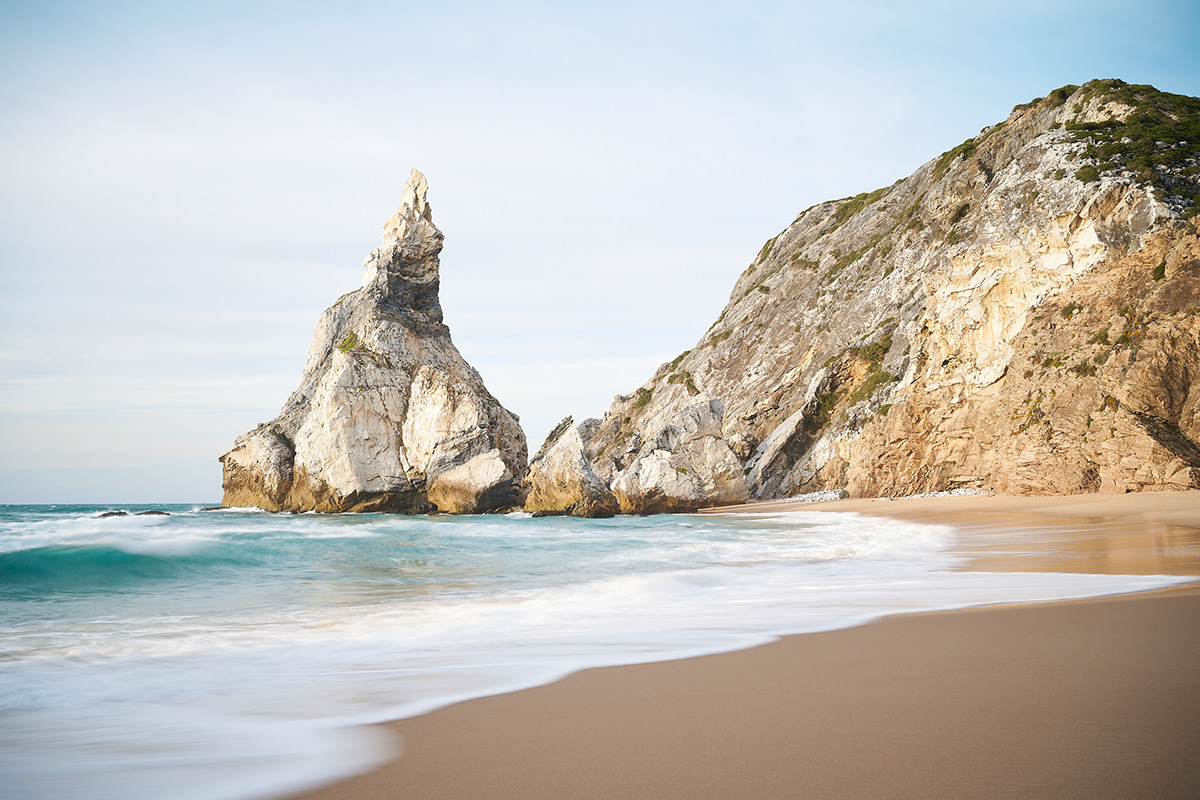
x,y
411,228
388,415
411,242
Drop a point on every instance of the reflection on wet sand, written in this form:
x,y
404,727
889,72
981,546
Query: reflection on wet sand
x,y
1084,544
1130,534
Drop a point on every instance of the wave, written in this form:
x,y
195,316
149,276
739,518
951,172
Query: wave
x,y
89,567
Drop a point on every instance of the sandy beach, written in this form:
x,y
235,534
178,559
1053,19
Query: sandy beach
x,y
1126,534
1094,698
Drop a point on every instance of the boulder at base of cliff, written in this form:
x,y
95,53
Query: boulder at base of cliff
x,y
484,482
560,480
258,471
686,465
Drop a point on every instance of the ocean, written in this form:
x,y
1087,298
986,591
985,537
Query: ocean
x,y
237,654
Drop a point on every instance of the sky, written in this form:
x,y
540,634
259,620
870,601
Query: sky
x,y
185,186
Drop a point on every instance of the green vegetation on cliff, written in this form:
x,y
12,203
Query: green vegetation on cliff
x,y
1159,142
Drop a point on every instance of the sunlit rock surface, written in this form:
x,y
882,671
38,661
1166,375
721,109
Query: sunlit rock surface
x,y
1018,315
388,415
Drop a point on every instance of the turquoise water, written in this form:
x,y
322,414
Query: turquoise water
x,y
235,653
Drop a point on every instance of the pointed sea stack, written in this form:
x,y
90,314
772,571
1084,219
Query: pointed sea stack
x,y
388,415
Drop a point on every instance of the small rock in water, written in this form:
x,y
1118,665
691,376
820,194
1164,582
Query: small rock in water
x,y
152,513
115,514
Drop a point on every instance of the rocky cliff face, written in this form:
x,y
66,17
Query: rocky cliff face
x,y
388,415
1020,314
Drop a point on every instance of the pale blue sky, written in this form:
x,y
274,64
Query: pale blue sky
x,y
185,186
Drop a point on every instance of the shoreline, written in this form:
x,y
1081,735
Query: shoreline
x,y
668,729
1172,508
1129,534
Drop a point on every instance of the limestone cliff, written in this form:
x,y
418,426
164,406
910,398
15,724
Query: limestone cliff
x,y
1020,315
388,415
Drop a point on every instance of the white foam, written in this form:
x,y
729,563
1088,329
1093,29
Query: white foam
x,y
265,701
134,534
184,754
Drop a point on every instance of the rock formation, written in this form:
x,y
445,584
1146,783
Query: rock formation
x,y
388,415
1019,315
560,480
683,463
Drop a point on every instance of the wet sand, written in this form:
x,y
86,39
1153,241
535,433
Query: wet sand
x,y
1127,534
1080,699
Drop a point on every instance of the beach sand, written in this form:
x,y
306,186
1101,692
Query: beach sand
x,y
1124,534
1080,699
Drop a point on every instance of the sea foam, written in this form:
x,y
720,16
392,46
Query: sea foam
x,y
243,662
